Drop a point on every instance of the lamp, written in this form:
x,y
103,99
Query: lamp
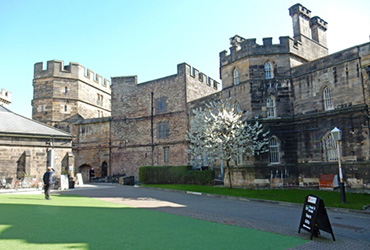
x,y
336,133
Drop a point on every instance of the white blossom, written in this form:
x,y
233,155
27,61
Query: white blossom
x,y
222,132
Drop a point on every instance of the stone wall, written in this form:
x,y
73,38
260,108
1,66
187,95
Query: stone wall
x,y
340,72
300,175
149,120
28,156
92,144
62,92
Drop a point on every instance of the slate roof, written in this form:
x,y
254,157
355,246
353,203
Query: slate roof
x,y
12,123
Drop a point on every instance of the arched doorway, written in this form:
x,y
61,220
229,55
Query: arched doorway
x,y
104,169
85,172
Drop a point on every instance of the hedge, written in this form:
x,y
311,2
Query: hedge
x,y
175,175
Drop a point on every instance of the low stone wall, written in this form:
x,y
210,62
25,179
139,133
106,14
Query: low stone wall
x,y
355,174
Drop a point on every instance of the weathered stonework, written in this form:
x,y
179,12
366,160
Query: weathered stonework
x,y
302,70
24,155
92,147
150,118
78,101
148,122
65,93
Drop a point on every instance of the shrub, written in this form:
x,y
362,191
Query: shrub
x,y
175,175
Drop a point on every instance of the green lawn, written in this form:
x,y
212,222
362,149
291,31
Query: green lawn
x,y
331,198
28,221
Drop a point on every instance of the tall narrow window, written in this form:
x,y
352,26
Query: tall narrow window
x,y
166,154
271,107
66,90
237,108
274,151
236,77
269,71
327,99
330,148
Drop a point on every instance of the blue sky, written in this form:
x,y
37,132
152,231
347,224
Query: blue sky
x,y
149,38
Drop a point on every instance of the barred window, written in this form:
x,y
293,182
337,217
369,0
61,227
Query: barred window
x,y
330,148
166,151
274,151
327,99
269,71
236,77
271,107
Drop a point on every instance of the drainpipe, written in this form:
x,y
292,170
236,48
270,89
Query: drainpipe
x,y
152,125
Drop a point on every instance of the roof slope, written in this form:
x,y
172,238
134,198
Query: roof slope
x,y
12,123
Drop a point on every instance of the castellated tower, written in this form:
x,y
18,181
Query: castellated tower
x,y
318,30
301,21
64,94
5,98
307,28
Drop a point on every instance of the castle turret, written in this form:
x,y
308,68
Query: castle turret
x,y
66,93
5,98
301,21
318,30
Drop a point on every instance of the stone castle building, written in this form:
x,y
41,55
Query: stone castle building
x,y
28,147
74,99
294,87
150,119
300,93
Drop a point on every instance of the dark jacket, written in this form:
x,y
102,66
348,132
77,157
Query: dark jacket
x,y
48,177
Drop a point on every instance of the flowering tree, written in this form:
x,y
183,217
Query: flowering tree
x,y
221,132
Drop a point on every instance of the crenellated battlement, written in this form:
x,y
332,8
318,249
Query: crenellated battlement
x,y
183,69
196,75
56,68
309,40
241,48
298,9
5,98
317,21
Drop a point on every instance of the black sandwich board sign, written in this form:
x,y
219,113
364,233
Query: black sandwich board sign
x,y
314,217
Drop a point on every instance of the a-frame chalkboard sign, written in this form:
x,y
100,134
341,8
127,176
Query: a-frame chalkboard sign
x,y
314,217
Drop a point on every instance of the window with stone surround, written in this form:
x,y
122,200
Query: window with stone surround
x,y
274,148
271,106
161,105
100,100
237,108
330,147
236,77
327,99
166,152
163,130
269,71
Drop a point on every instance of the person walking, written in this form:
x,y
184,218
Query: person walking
x,y
48,181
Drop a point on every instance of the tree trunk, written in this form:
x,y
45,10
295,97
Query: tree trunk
x,y
229,173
